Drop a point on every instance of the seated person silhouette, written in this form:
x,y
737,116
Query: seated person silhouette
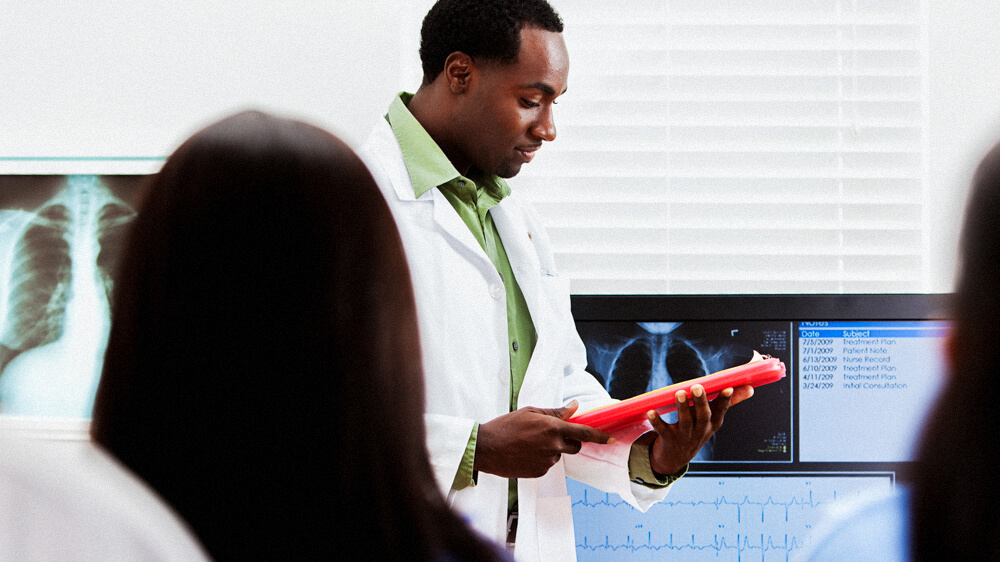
x,y
263,371
949,511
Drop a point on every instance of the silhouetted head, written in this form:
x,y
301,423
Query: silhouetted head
x,y
956,493
263,370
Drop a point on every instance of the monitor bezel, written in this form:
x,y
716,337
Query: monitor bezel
x,y
678,308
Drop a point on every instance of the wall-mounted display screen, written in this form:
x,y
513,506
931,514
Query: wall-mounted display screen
x,y
862,371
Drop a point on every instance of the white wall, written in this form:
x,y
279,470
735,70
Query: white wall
x,y
87,80
84,78
964,119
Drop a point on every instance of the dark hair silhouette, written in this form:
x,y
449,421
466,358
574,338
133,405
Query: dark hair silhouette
x,y
486,30
956,497
263,371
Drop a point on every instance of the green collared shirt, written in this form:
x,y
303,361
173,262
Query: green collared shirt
x,y
472,198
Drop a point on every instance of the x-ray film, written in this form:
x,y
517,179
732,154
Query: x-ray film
x,y
60,239
632,358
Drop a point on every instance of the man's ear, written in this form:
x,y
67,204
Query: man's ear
x,y
459,71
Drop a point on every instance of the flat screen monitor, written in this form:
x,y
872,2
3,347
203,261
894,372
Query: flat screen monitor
x,y
840,428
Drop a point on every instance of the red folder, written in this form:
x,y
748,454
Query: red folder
x,y
759,371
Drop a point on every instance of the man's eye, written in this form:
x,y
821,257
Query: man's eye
x,y
529,103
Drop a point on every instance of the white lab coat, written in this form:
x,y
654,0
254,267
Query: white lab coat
x,y
461,305
73,501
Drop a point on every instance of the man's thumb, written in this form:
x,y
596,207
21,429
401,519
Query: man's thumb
x,y
567,411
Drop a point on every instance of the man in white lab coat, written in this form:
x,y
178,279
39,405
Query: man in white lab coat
x,y
503,363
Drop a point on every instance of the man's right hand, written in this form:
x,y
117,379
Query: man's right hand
x,y
528,441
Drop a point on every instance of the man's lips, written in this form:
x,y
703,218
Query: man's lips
x,y
527,152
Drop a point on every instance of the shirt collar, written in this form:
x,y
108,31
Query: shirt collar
x,y
426,163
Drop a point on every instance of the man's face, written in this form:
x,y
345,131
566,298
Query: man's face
x,y
508,112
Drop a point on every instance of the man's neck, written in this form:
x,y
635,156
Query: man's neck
x,y
431,107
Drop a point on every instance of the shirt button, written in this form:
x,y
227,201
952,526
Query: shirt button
x,y
496,291
514,345
461,183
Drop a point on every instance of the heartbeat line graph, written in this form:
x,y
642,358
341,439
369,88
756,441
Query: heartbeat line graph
x,y
744,547
739,518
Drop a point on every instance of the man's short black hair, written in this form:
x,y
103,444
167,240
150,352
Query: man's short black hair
x,y
486,30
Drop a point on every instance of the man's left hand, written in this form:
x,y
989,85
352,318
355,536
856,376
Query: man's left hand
x,y
676,444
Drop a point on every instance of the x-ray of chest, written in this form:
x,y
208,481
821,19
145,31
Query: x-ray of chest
x,y
60,238
630,358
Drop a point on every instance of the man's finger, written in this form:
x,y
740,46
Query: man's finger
x,y
661,427
720,406
564,413
703,412
741,393
587,434
571,446
683,410
568,410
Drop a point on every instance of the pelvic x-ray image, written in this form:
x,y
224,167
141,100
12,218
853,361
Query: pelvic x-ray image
x,y
631,358
60,238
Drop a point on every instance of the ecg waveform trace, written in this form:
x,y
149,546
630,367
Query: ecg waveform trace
x,y
739,518
718,548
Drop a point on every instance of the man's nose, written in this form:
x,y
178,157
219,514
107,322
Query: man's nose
x,y
545,127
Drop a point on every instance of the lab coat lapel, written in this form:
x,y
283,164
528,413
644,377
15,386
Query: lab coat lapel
x,y
524,263
455,230
447,220
521,254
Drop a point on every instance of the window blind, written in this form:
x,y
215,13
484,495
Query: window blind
x,y
752,146
726,147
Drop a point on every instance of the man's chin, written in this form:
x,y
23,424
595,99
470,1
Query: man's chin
x,y
508,170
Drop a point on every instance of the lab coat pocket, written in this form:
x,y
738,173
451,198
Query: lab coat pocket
x,y
555,529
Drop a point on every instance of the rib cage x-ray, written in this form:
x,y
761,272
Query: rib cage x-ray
x,y
650,359
60,237
631,358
